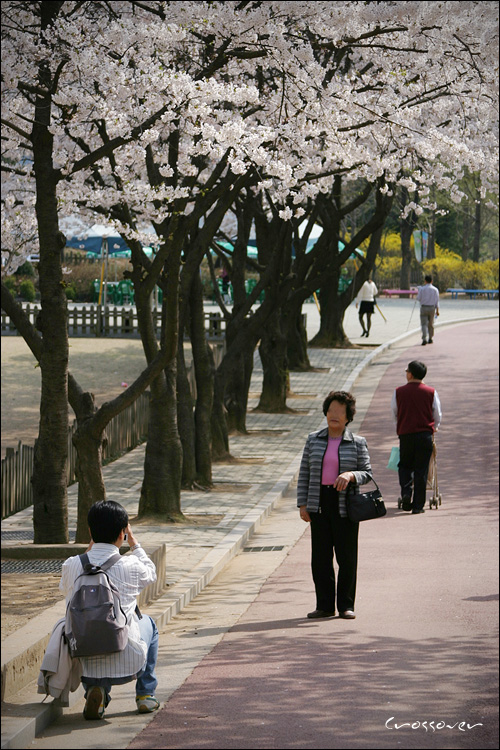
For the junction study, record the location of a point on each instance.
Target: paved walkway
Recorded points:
(245, 495)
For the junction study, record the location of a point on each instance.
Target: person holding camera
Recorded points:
(109, 528)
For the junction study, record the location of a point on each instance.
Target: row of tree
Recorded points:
(165, 116)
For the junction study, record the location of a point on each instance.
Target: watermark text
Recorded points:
(430, 726)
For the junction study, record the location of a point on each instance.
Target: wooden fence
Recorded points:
(111, 321)
(124, 432)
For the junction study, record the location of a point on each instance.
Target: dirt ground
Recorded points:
(24, 596)
(99, 365)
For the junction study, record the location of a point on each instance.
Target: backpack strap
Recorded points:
(84, 559)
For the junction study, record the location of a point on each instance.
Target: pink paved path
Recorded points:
(422, 648)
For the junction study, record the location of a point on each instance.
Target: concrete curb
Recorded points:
(22, 730)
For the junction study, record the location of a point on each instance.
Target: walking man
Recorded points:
(428, 296)
(417, 411)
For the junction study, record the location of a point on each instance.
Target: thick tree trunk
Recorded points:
(237, 387)
(50, 501)
(231, 385)
(273, 355)
(218, 423)
(331, 331)
(298, 358)
(161, 487)
(241, 345)
(89, 447)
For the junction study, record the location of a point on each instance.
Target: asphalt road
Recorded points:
(418, 667)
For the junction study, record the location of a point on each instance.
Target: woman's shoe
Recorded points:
(320, 613)
(347, 615)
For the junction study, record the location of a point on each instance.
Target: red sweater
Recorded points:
(415, 413)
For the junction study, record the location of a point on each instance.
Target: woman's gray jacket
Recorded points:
(353, 456)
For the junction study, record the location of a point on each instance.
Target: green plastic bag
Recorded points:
(394, 459)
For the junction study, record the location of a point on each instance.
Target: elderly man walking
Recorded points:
(417, 411)
(428, 296)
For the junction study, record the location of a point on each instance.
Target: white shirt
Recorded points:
(132, 573)
(367, 292)
(428, 295)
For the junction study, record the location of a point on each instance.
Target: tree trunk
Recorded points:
(218, 423)
(331, 331)
(231, 385)
(477, 231)
(89, 449)
(273, 354)
(406, 229)
(185, 419)
(465, 236)
(204, 374)
(298, 358)
(50, 500)
(237, 387)
(431, 246)
(161, 487)
(238, 376)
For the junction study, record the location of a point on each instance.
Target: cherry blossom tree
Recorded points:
(141, 111)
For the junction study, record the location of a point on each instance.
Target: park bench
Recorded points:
(399, 292)
(473, 293)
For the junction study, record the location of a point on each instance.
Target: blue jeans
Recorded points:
(146, 679)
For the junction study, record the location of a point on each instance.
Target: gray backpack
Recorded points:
(95, 622)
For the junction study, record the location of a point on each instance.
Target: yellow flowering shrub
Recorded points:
(447, 268)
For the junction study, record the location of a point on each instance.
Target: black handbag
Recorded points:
(363, 506)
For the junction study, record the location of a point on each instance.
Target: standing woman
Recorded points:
(333, 457)
(366, 296)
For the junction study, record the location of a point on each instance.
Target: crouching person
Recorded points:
(109, 528)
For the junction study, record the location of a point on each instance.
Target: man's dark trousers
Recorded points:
(330, 531)
(415, 451)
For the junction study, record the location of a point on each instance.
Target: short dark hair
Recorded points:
(106, 519)
(343, 397)
(428, 279)
(417, 369)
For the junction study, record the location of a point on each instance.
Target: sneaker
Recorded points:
(94, 704)
(146, 704)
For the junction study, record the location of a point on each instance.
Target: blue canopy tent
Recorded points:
(99, 240)
(92, 241)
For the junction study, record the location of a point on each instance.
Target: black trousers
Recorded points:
(415, 451)
(329, 532)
